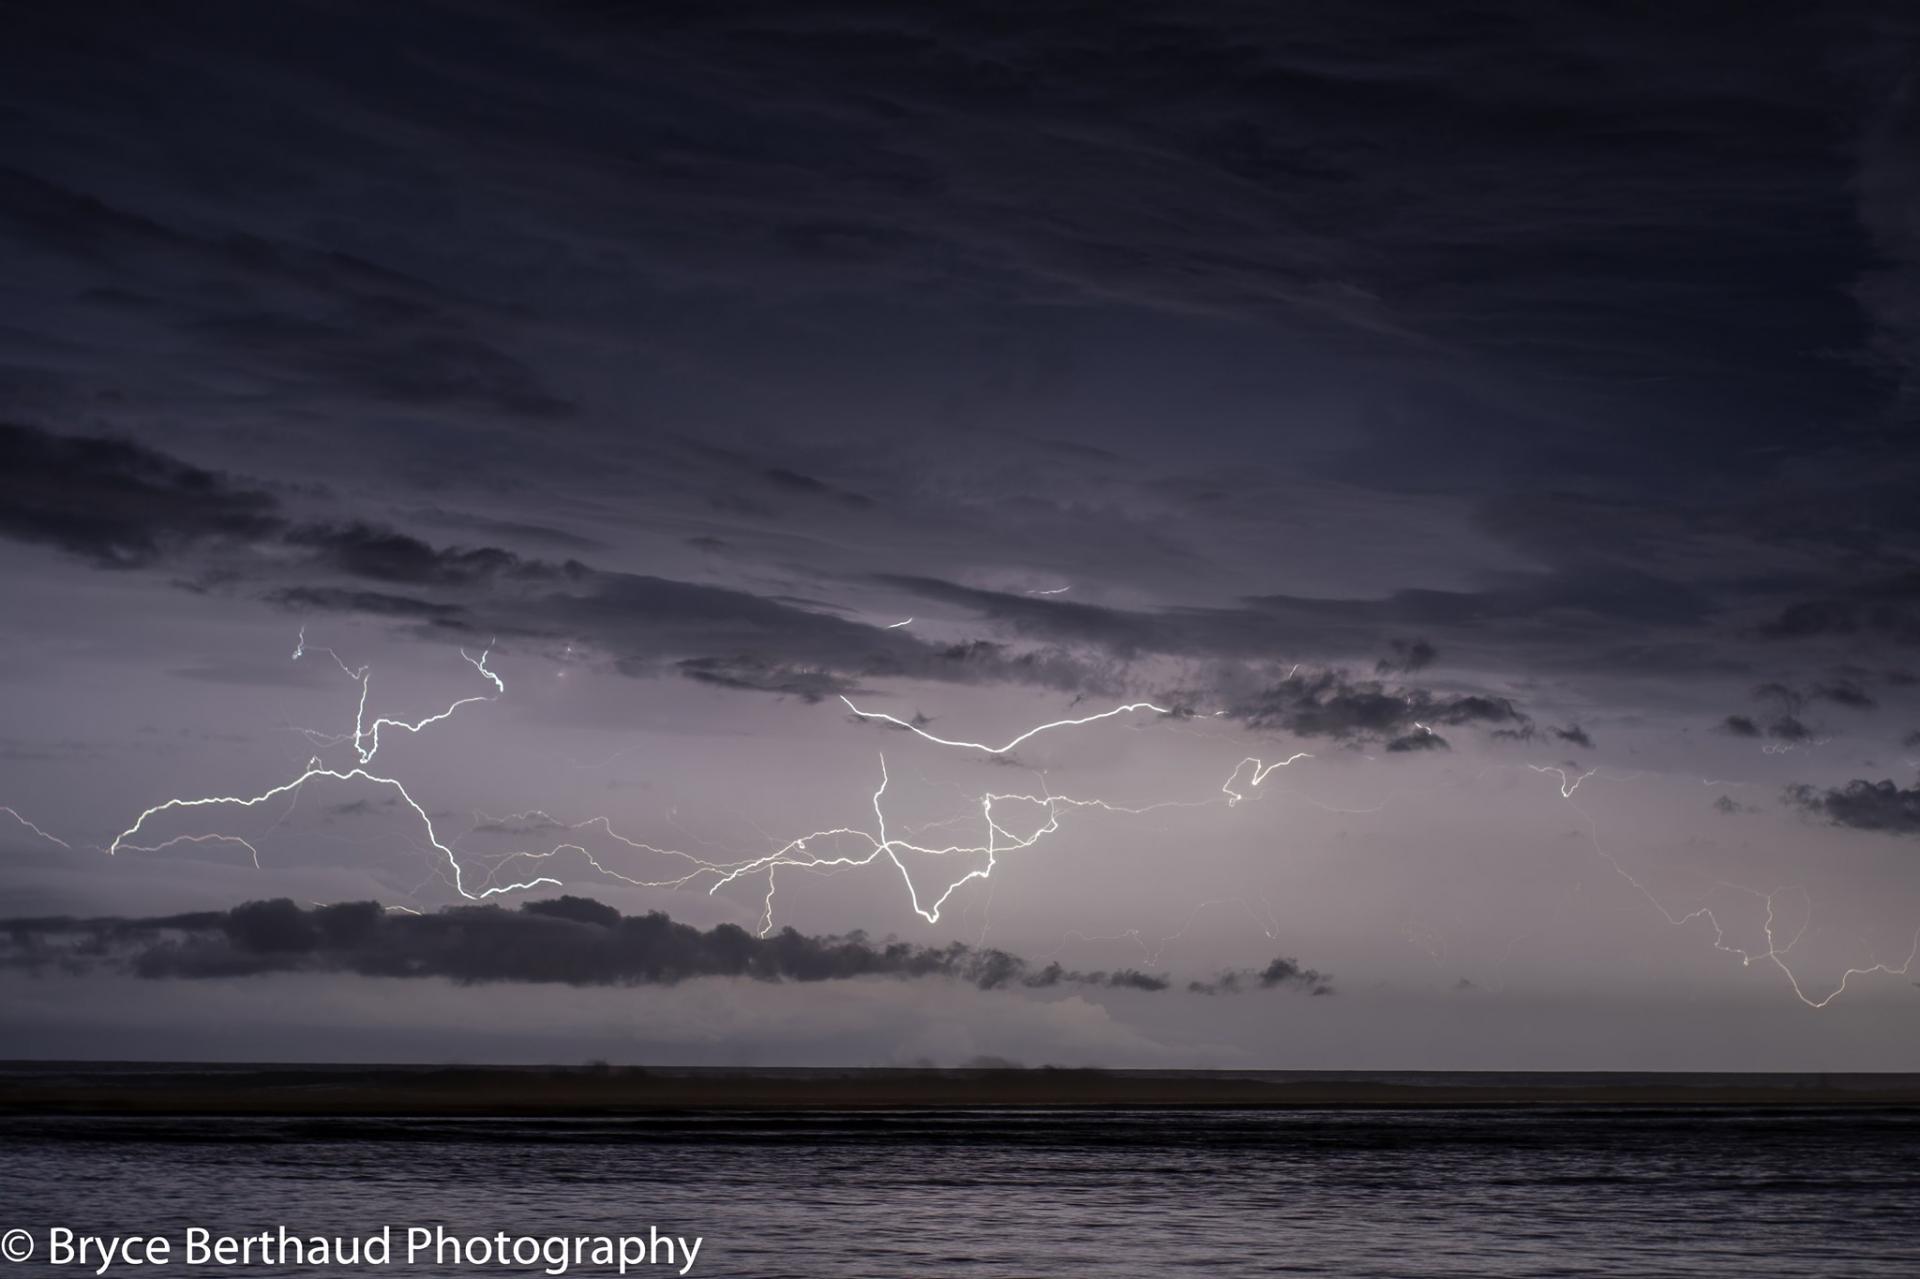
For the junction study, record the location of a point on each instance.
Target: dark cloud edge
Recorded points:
(567, 940)
(1883, 806)
(123, 506)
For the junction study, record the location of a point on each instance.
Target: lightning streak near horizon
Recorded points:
(1775, 953)
(1002, 830)
(827, 849)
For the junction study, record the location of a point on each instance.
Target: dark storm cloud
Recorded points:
(743, 474)
(333, 599)
(511, 530)
(44, 212)
(1574, 198)
(571, 940)
(1889, 190)
(1789, 729)
(174, 515)
(794, 482)
(1281, 974)
(740, 640)
(1787, 702)
(1574, 735)
(1880, 607)
(383, 555)
(650, 625)
(119, 504)
(1845, 694)
(1408, 656)
(385, 350)
(1546, 178)
(1331, 704)
(344, 327)
(1118, 979)
(1808, 618)
(1589, 271)
(760, 676)
(1418, 741)
(1864, 805)
(1591, 617)
(123, 504)
(1716, 582)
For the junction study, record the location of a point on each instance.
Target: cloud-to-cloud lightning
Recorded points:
(1775, 953)
(852, 845)
(366, 743)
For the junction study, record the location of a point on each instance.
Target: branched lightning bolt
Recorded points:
(821, 851)
(846, 847)
(824, 850)
(1568, 783)
(366, 743)
(1775, 953)
(366, 737)
(1258, 775)
(999, 840)
(315, 769)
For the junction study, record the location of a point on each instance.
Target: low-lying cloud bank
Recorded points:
(1281, 974)
(571, 940)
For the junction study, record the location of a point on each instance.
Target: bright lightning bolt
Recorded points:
(1258, 775)
(365, 737)
(820, 851)
(314, 770)
(366, 742)
(825, 851)
(1568, 783)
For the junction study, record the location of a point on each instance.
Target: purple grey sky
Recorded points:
(1475, 400)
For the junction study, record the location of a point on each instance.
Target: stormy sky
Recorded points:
(1502, 412)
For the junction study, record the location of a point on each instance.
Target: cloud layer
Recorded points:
(570, 940)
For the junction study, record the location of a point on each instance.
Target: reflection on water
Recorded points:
(1644, 1192)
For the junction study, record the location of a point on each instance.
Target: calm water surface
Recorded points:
(1576, 1192)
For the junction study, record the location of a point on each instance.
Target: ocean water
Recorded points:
(1563, 1192)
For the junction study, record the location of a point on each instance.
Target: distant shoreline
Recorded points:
(77, 1088)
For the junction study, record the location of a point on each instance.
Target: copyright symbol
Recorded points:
(16, 1245)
